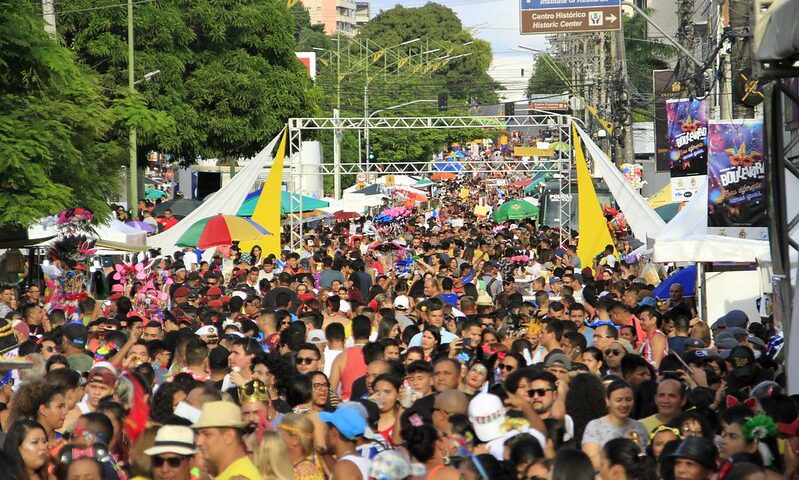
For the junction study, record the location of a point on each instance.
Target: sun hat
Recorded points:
(220, 414)
(487, 414)
(391, 465)
(628, 348)
(483, 300)
(175, 439)
(347, 421)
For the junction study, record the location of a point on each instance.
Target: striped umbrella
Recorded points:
(220, 230)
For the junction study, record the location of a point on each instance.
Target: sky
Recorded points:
(496, 21)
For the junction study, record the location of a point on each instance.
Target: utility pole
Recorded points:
(741, 51)
(133, 183)
(627, 117)
(336, 157)
(48, 13)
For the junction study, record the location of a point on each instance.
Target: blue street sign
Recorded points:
(537, 4)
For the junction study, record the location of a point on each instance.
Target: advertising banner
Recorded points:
(665, 86)
(687, 125)
(737, 179)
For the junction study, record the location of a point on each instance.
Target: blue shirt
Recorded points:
(446, 337)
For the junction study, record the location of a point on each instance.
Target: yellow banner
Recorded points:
(522, 151)
(592, 227)
(267, 210)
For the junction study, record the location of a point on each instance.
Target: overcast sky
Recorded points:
(494, 20)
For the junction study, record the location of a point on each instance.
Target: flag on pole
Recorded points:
(267, 210)
(592, 227)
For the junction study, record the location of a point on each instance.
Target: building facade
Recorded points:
(338, 16)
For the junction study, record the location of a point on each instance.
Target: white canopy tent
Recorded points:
(406, 180)
(226, 201)
(685, 239)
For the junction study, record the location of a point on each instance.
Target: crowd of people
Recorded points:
(453, 348)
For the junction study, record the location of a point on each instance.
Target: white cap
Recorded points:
(487, 414)
(206, 330)
(402, 302)
(344, 306)
(316, 336)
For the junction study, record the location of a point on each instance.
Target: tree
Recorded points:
(58, 130)
(643, 56)
(548, 76)
(229, 77)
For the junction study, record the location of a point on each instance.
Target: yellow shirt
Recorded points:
(243, 468)
(651, 423)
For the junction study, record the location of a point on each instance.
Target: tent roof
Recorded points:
(307, 203)
(777, 32)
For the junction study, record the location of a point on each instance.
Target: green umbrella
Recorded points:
(154, 193)
(668, 211)
(308, 203)
(515, 210)
(538, 179)
(424, 183)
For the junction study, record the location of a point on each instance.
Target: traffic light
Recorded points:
(442, 101)
(510, 109)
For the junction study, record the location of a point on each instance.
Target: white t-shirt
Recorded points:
(330, 355)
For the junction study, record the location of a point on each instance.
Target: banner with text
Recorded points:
(737, 203)
(687, 126)
(665, 86)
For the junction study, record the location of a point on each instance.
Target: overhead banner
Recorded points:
(737, 179)
(665, 86)
(687, 125)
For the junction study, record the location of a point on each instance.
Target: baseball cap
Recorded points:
(194, 276)
(699, 357)
(214, 292)
(402, 302)
(554, 280)
(733, 318)
(694, 343)
(487, 414)
(391, 465)
(624, 344)
(725, 341)
(76, 333)
(737, 331)
(347, 421)
(181, 292)
(117, 290)
(316, 336)
(102, 375)
(648, 302)
(558, 358)
(742, 360)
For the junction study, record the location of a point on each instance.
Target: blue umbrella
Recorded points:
(685, 277)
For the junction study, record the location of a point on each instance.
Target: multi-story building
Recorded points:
(335, 15)
(361, 13)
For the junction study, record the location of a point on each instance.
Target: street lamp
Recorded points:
(148, 76)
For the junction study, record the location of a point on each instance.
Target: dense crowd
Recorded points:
(441, 346)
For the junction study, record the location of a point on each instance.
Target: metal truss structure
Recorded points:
(562, 166)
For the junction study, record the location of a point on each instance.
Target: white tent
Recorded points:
(116, 231)
(399, 180)
(643, 220)
(685, 238)
(226, 201)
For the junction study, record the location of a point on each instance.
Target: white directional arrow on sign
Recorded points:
(611, 18)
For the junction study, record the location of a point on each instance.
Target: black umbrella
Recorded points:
(180, 207)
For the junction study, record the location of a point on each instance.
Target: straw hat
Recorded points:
(219, 415)
(175, 439)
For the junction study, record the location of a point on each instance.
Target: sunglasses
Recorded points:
(507, 368)
(613, 352)
(173, 462)
(539, 392)
(210, 283)
(305, 360)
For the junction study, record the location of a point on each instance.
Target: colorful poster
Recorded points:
(665, 86)
(687, 125)
(737, 202)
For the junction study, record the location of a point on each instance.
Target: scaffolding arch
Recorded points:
(562, 164)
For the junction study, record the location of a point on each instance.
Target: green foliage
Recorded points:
(229, 77)
(56, 144)
(548, 78)
(643, 56)
(461, 79)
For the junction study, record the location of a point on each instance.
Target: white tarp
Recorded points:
(398, 180)
(113, 231)
(226, 201)
(685, 238)
(643, 220)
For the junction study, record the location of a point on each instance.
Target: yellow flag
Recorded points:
(267, 210)
(592, 227)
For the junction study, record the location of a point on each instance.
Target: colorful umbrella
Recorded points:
(154, 193)
(342, 215)
(286, 205)
(180, 207)
(220, 230)
(424, 183)
(685, 277)
(515, 210)
(144, 226)
(443, 176)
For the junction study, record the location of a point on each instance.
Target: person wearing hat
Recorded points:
(346, 427)
(219, 439)
(73, 344)
(100, 382)
(172, 453)
(617, 349)
(695, 459)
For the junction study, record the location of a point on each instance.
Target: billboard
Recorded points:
(665, 86)
(736, 196)
(687, 133)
